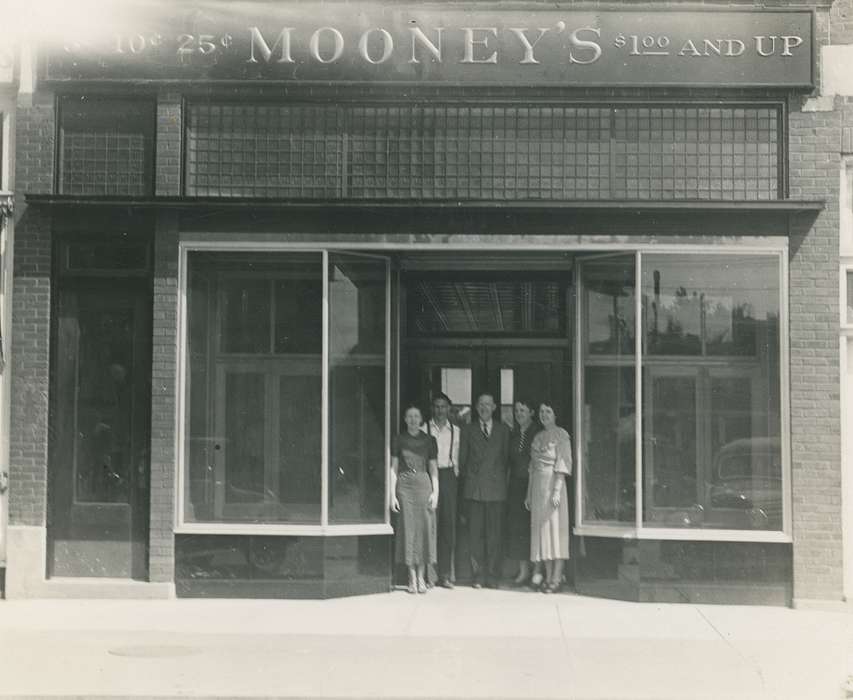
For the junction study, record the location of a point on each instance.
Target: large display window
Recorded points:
(681, 390)
(286, 389)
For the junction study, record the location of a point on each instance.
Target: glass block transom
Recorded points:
(482, 152)
(106, 147)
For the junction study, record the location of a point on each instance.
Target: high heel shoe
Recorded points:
(536, 580)
(422, 587)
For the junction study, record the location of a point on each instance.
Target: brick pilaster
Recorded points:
(163, 399)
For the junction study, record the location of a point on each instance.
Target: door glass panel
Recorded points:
(244, 312)
(357, 359)
(298, 474)
(507, 396)
(244, 446)
(254, 387)
(104, 408)
(456, 383)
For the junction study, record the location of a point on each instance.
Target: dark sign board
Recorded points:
(335, 42)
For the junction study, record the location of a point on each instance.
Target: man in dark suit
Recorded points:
(483, 460)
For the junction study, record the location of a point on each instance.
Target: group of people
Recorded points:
(506, 476)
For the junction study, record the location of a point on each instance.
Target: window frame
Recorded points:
(324, 528)
(845, 274)
(638, 529)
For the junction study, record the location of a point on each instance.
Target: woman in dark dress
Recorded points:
(414, 494)
(518, 517)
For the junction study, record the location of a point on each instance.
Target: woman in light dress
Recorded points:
(550, 464)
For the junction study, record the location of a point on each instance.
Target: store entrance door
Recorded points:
(99, 468)
(507, 372)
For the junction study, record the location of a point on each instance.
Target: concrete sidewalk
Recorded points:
(462, 643)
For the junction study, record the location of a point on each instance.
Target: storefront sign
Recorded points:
(351, 43)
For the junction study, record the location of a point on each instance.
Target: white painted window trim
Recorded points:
(249, 242)
(323, 528)
(845, 238)
(639, 530)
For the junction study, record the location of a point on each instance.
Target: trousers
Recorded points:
(485, 534)
(448, 490)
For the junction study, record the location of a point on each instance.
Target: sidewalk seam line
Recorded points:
(750, 662)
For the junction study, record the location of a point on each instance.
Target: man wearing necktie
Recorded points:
(483, 460)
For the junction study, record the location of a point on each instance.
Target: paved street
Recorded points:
(462, 643)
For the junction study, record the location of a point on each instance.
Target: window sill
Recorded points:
(698, 534)
(284, 529)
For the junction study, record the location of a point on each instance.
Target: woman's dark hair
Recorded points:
(411, 405)
(527, 401)
(550, 404)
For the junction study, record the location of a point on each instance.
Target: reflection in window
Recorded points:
(357, 331)
(254, 394)
(696, 305)
(609, 432)
(711, 433)
(609, 298)
(609, 404)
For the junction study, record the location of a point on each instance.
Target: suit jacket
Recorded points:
(483, 463)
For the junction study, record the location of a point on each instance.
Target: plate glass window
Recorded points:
(254, 421)
(712, 453)
(609, 403)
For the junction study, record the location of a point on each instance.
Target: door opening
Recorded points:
(502, 332)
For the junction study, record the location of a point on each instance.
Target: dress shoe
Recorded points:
(492, 584)
(446, 583)
(477, 585)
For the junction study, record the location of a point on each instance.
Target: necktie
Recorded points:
(522, 443)
(485, 431)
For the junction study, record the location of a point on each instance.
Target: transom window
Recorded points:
(491, 152)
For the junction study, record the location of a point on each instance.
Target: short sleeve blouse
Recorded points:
(414, 451)
(552, 449)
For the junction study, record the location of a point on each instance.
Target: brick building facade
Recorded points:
(152, 230)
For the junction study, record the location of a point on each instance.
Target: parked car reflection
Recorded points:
(745, 490)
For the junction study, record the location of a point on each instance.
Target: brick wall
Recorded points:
(815, 141)
(841, 22)
(163, 399)
(35, 143)
(30, 333)
(28, 436)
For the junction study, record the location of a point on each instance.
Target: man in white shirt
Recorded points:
(447, 437)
